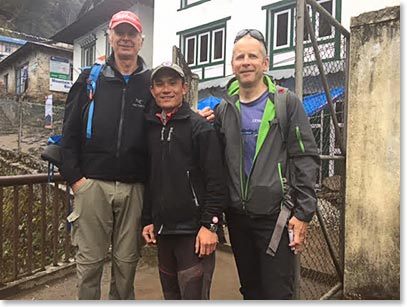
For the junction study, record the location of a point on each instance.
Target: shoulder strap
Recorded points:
(280, 102)
(91, 90)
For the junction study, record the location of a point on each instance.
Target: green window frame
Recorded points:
(185, 4)
(281, 26)
(205, 45)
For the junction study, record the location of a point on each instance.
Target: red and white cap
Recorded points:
(126, 17)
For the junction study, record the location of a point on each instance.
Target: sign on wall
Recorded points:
(60, 76)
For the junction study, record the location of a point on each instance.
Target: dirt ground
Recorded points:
(225, 285)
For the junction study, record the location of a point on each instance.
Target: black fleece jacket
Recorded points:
(186, 187)
(116, 150)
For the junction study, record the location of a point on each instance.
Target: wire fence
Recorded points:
(325, 70)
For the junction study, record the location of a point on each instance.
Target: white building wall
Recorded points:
(146, 15)
(244, 14)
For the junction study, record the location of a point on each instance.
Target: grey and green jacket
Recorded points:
(261, 193)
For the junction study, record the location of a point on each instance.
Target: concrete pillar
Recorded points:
(372, 213)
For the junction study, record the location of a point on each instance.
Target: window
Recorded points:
(218, 45)
(88, 49)
(21, 79)
(282, 29)
(190, 50)
(5, 79)
(189, 3)
(203, 48)
(324, 28)
(89, 54)
(7, 48)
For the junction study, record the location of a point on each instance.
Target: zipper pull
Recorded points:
(162, 133)
(169, 134)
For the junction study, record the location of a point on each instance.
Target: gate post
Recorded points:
(299, 64)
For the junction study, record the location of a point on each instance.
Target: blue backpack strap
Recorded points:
(91, 90)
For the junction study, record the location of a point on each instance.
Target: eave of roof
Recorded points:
(93, 18)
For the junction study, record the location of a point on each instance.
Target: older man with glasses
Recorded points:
(257, 159)
(105, 162)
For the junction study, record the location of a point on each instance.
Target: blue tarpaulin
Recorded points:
(316, 102)
(210, 101)
(312, 103)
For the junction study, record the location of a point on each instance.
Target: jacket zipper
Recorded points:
(280, 174)
(299, 138)
(119, 137)
(193, 190)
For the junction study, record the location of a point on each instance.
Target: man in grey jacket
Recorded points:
(258, 158)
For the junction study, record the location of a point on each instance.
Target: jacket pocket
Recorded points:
(84, 186)
(191, 185)
(266, 192)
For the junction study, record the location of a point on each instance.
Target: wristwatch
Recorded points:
(213, 227)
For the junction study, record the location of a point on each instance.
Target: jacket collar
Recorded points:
(110, 71)
(232, 88)
(181, 113)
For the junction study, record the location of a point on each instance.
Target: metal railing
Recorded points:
(34, 232)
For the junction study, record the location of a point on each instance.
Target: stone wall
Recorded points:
(372, 213)
(38, 61)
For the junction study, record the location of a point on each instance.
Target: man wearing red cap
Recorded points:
(105, 162)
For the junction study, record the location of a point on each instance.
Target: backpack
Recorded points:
(52, 152)
(91, 90)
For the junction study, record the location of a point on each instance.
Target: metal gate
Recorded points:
(321, 75)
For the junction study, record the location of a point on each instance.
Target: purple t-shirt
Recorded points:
(252, 113)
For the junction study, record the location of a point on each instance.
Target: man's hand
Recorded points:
(77, 184)
(207, 113)
(206, 241)
(300, 233)
(148, 234)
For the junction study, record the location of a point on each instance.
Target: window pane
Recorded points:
(189, 2)
(190, 51)
(325, 28)
(203, 45)
(282, 29)
(218, 45)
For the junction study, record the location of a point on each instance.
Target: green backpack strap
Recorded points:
(280, 103)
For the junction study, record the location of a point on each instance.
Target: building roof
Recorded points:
(30, 46)
(100, 14)
(11, 40)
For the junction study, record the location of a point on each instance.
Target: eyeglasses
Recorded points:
(253, 33)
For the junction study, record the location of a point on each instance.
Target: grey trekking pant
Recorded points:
(107, 213)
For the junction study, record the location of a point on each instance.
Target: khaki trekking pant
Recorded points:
(107, 213)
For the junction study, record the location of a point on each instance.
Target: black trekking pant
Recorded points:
(183, 275)
(262, 277)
